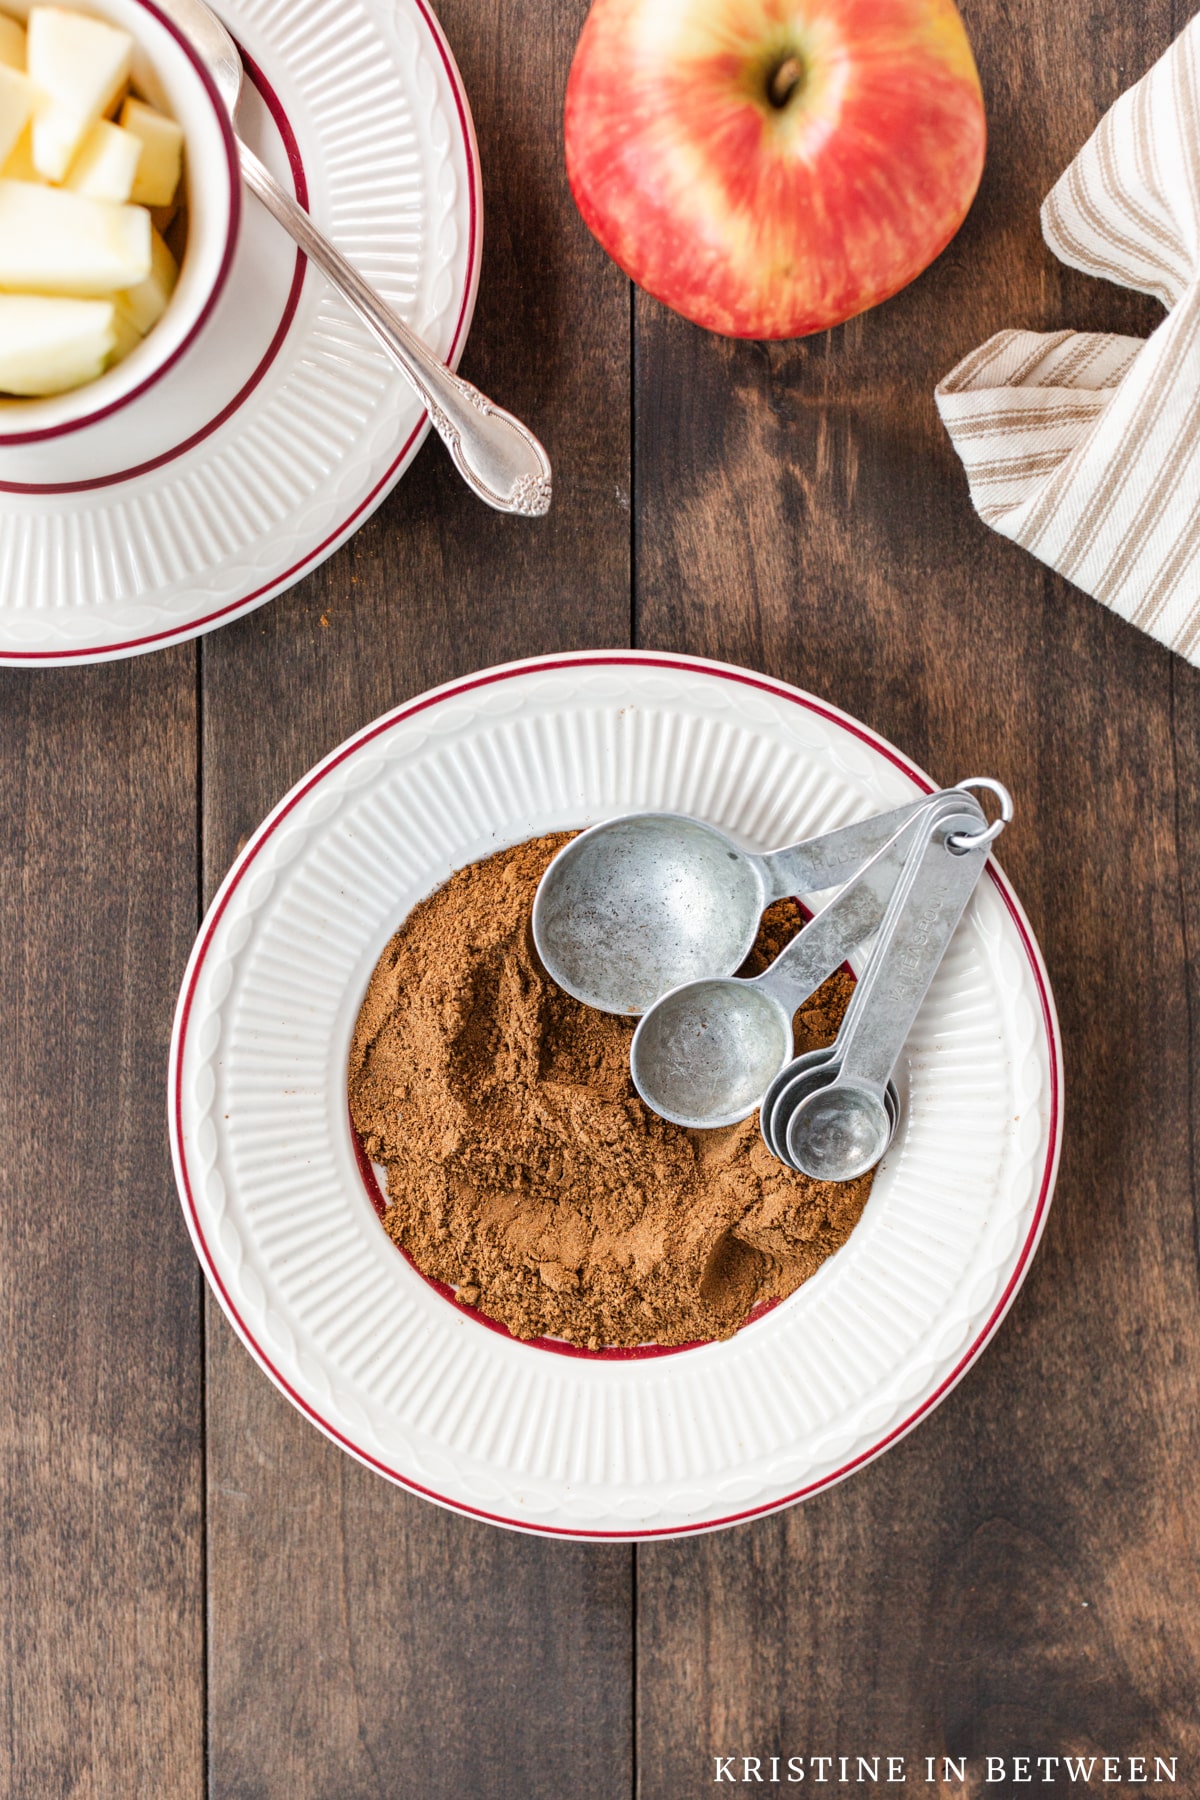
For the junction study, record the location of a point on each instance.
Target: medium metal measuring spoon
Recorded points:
(832, 1113)
(705, 1053)
(639, 904)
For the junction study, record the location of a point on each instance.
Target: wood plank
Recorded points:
(101, 1586)
(1013, 1578)
(363, 1641)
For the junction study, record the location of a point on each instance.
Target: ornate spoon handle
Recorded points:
(493, 452)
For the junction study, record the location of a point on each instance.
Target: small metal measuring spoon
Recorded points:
(791, 1085)
(832, 1113)
(706, 1052)
(639, 904)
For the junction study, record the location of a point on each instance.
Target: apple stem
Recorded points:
(785, 80)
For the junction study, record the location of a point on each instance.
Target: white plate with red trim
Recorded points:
(283, 427)
(593, 1446)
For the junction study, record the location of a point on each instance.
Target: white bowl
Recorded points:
(611, 1445)
(171, 76)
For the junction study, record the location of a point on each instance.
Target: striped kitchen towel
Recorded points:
(1083, 447)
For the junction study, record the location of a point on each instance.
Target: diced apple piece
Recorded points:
(126, 334)
(56, 242)
(162, 153)
(12, 43)
(50, 345)
(18, 97)
(105, 166)
(145, 304)
(19, 164)
(81, 65)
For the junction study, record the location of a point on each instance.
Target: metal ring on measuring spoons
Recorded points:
(961, 844)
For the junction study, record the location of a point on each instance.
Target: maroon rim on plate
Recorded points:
(283, 125)
(235, 213)
(195, 627)
(507, 672)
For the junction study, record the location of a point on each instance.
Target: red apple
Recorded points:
(771, 167)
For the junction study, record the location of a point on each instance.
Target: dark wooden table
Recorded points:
(197, 1591)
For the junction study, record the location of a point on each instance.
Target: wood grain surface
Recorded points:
(101, 1449)
(1019, 1576)
(199, 1594)
(362, 1642)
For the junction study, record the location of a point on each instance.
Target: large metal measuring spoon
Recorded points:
(705, 1053)
(832, 1113)
(637, 905)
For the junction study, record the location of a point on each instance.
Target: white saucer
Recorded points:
(615, 1445)
(284, 428)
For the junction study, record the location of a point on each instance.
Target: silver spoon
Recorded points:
(640, 904)
(497, 456)
(705, 1053)
(832, 1114)
(806, 1075)
(801, 1077)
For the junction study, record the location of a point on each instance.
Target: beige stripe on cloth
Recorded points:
(1082, 447)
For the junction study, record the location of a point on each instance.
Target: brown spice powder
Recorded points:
(523, 1169)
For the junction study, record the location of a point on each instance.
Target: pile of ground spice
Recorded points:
(523, 1169)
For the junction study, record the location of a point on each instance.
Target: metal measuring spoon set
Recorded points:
(652, 912)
